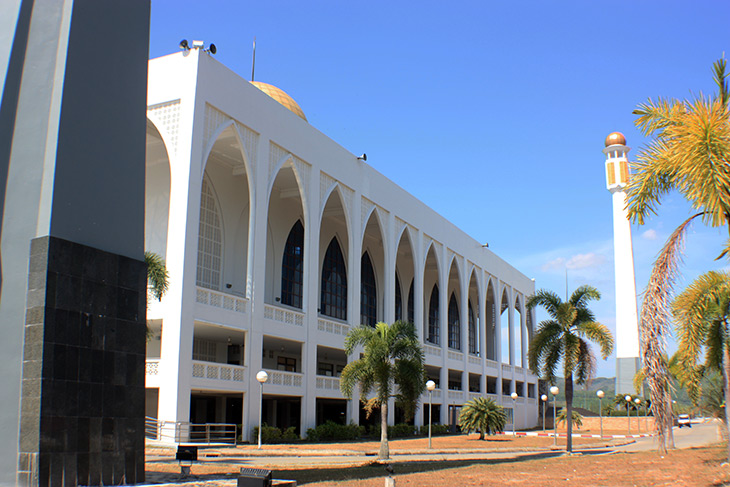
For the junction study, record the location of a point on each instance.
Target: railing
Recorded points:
(152, 367)
(492, 363)
(282, 315)
(520, 400)
(210, 370)
(475, 360)
(456, 356)
(458, 395)
(435, 394)
(328, 383)
(506, 368)
(221, 300)
(435, 351)
(279, 378)
(532, 400)
(474, 395)
(329, 326)
(182, 431)
(493, 397)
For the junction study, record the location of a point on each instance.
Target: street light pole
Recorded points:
(514, 410)
(262, 377)
(638, 419)
(544, 401)
(627, 398)
(430, 385)
(600, 395)
(554, 391)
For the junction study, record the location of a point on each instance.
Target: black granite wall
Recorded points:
(82, 399)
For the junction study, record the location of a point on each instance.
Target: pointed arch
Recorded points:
(434, 331)
(333, 296)
(405, 269)
(292, 267)
(431, 282)
(368, 292)
(490, 311)
(454, 323)
(474, 338)
(157, 189)
(210, 238)
(506, 329)
(517, 332)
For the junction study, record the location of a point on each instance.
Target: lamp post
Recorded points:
(627, 398)
(600, 395)
(430, 385)
(554, 391)
(544, 401)
(638, 420)
(262, 377)
(514, 410)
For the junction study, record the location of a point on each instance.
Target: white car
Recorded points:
(684, 420)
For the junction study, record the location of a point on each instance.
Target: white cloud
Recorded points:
(554, 264)
(649, 234)
(584, 261)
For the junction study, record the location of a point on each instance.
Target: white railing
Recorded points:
(506, 368)
(435, 351)
(436, 394)
(210, 370)
(279, 378)
(520, 400)
(328, 383)
(457, 395)
(329, 326)
(492, 363)
(152, 367)
(221, 300)
(474, 395)
(532, 400)
(493, 397)
(456, 356)
(475, 360)
(282, 315)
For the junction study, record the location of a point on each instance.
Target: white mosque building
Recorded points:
(278, 241)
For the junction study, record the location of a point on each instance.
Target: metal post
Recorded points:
(600, 413)
(628, 415)
(261, 408)
(555, 422)
(430, 406)
(543, 416)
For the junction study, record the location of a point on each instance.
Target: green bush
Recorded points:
(331, 431)
(436, 429)
(269, 434)
(290, 434)
(400, 430)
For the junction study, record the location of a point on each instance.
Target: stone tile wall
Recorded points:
(82, 399)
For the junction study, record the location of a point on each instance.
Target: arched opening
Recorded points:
(223, 236)
(505, 332)
(404, 274)
(368, 292)
(157, 192)
(491, 320)
(432, 327)
(285, 238)
(454, 323)
(333, 252)
(475, 346)
(453, 311)
(371, 272)
(333, 301)
(518, 333)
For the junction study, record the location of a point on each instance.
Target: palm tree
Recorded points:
(157, 275)
(702, 312)
(563, 337)
(392, 359)
(577, 417)
(690, 153)
(482, 415)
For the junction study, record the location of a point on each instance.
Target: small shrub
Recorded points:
(290, 434)
(331, 431)
(269, 434)
(436, 429)
(401, 430)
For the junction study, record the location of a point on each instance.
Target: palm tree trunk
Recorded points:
(726, 377)
(569, 411)
(384, 452)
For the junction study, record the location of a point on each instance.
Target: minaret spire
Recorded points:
(627, 322)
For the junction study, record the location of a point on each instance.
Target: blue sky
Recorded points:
(492, 113)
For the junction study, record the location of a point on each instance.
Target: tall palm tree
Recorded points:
(702, 313)
(392, 360)
(690, 153)
(564, 337)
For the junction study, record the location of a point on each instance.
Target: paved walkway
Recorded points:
(699, 435)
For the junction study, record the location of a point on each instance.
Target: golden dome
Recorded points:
(615, 138)
(280, 96)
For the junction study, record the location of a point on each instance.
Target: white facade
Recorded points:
(230, 172)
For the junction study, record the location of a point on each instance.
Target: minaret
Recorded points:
(627, 323)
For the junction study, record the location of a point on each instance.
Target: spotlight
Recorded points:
(184, 44)
(212, 49)
(363, 157)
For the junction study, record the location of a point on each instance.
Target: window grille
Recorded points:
(291, 267)
(454, 324)
(333, 299)
(368, 293)
(210, 239)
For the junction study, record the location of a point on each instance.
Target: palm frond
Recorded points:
(157, 275)
(598, 333)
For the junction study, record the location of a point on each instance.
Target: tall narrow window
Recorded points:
(291, 267)
(210, 239)
(411, 316)
(368, 293)
(473, 339)
(433, 316)
(333, 300)
(454, 324)
(398, 300)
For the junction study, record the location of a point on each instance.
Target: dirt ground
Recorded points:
(692, 467)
